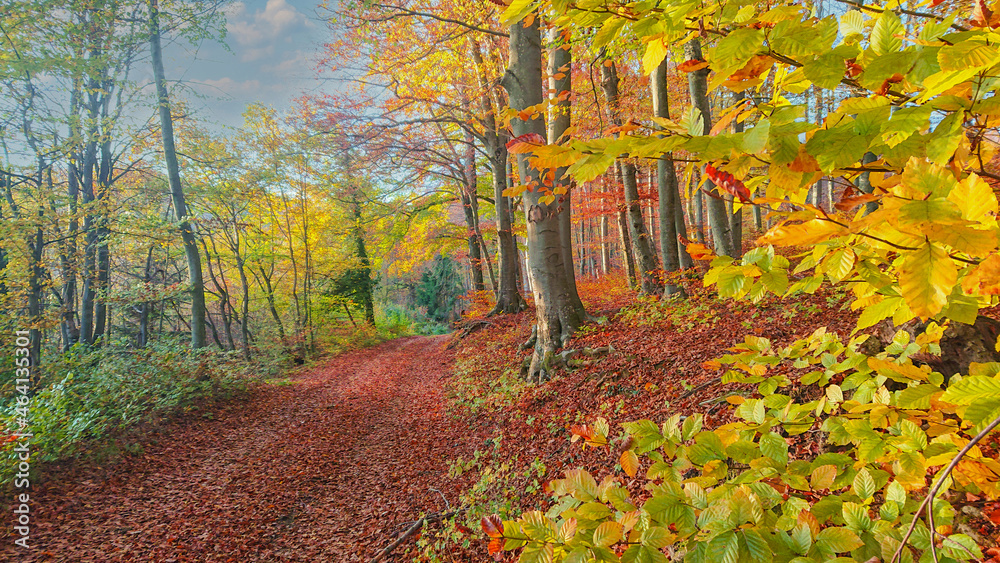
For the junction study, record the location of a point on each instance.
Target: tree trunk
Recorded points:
(265, 281)
(666, 179)
(736, 219)
(197, 284)
(475, 257)
(560, 71)
(718, 217)
(557, 317)
(624, 241)
(605, 244)
(645, 266)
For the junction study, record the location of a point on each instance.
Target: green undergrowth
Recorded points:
(88, 401)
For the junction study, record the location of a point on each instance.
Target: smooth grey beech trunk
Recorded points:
(560, 71)
(556, 316)
(195, 280)
(670, 211)
(718, 216)
(509, 299)
(646, 267)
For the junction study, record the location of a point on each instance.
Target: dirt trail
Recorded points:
(326, 469)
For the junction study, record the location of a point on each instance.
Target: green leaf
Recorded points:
(884, 309)
(736, 48)
(755, 138)
(864, 484)
(837, 147)
(774, 446)
(838, 540)
(895, 493)
(960, 547)
(607, 534)
(905, 122)
(801, 539)
(946, 138)
(691, 426)
(887, 35)
(756, 546)
(724, 547)
(918, 397)
(655, 537)
(970, 388)
(593, 511)
(982, 412)
(825, 71)
(967, 54)
(856, 517)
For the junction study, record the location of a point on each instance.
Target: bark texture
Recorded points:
(557, 318)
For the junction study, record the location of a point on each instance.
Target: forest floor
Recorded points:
(323, 466)
(334, 463)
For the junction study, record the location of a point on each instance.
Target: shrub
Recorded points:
(90, 396)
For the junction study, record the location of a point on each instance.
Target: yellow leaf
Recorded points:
(962, 238)
(926, 277)
(838, 264)
(896, 371)
(975, 199)
(656, 51)
(810, 232)
(515, 191)
(629, 462)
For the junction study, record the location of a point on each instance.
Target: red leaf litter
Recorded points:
(330, 468)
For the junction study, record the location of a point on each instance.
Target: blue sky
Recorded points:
(274, 48)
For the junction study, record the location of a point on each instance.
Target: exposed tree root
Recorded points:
(413, 529)
(569, 359)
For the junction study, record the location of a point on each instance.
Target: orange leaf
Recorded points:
(699, 251)
(496, 546)
(629, 462)
(754, 68)
(692, 65)
(493, 526)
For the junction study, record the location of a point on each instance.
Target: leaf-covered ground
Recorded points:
(338, 462)
(327, 467)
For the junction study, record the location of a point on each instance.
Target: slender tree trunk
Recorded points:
(670, 209)
(718, 218)
(645, 266)
(625, 243)
(265, 281)
(699, 214)
(195, 280)
(475, 258)
(605, 244)
(556, 315)
(560, 71)
(737, 217)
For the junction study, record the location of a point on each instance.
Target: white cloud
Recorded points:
(257, 32)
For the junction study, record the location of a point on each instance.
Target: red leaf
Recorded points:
(727, 182)
(524, 143)
(493, 526)
(849, 202)
(980, 14)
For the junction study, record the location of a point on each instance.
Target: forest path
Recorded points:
(328, 468)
